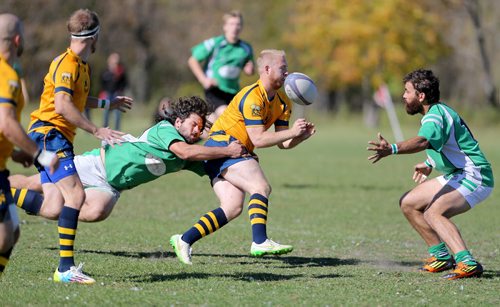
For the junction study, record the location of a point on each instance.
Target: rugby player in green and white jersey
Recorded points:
(166, 147)
(466, 181)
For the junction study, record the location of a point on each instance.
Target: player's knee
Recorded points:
(94, 215)
(6, 242)
(50, 212)
(263, 189)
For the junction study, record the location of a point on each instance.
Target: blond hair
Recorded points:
(233, 14)
(83, 20)
(267, 56)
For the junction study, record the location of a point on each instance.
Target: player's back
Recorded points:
(69, 75)
(10, 96)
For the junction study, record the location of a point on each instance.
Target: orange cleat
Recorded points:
(434, 265)
(464, 271)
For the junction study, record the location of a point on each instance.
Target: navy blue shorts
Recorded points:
(54, 141)
(214, 168)
(5, 195)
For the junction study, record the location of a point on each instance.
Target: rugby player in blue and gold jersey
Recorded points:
(12, 133)
(53, 125)
(247, 119)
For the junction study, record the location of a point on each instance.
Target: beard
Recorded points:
(413, 107)
(20, 50)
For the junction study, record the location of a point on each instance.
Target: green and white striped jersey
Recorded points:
(453, 148)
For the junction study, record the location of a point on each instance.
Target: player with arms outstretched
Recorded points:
(247, 119)
(468, 178)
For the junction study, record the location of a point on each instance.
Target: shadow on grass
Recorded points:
(291, 261)
(129, 254)
(248, 277)
(490, 274)
(363, 187)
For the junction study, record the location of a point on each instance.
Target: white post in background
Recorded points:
(383, 98)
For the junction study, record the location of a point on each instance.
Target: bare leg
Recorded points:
(413, 205)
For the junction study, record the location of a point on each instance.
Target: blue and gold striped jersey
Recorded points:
(250, 108)
(10, 97)
(68, 75)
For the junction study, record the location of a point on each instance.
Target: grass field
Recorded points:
(352, 244)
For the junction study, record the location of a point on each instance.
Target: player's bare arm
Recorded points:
(197, 70)
(121, 103)
(383, 149)
(14, 132)
(65, 107)
(193, 152)
(263, 138)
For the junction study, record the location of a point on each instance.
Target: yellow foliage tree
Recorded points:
(348, 43)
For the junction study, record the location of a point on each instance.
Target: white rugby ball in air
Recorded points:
(300, 88)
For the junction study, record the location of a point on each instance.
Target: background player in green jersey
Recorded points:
(166, 147)
(223, 57)
(467, 180)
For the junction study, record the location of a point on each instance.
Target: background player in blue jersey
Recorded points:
(468, 178)
(223, 58)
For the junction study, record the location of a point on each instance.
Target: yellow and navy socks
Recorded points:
(67, 224)
(4, 259)
(28, 200)
(208, 223)
(440, 251)
(257, 211)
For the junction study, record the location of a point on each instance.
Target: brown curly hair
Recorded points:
(182, 107)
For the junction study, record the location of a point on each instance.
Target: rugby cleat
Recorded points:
(181, 248)
(269, 247)
(73, 275)
(464, 271)
(435, 265)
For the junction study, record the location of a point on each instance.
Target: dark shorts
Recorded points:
(214, 168)
(54, 141)
(5, 195)
(216, 98)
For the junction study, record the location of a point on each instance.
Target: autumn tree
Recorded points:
(362, 43)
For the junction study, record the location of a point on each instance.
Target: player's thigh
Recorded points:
(72, 190)
(421, 196)
(97, 206)
(248, 176)
(231, 198)
(448, 202)
(26, 182)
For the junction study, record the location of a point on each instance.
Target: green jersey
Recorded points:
(453, 148)
(141, 160)
(223, 61)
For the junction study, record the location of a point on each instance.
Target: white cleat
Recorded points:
(269, 247)
(181, 248)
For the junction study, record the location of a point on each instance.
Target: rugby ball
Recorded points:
(300, 88)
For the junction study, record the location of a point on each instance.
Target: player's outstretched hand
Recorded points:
(421, 172)
(299, 127)
(108, 135)
(236, 150)
(122, 103)
(381, 148)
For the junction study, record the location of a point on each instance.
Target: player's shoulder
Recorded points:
(8, 72)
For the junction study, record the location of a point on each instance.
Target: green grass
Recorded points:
(352, 244)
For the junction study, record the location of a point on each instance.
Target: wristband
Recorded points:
(394, 149)
(103, 103)
(44, 157)
(427, 163)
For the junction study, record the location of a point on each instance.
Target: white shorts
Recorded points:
(473, 194)
(93, 175)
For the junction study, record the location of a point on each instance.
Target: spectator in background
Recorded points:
(223, 57)
(113, 83)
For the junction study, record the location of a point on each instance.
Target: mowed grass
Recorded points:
(352, 244)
